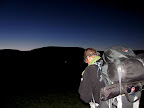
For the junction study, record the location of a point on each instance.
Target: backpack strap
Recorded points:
(99, 66)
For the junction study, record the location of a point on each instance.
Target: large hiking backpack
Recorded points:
(122, 72)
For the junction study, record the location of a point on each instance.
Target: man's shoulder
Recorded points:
(91, 67)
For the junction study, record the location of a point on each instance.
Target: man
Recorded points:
(91, 81)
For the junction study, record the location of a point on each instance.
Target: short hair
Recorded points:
(89, 51)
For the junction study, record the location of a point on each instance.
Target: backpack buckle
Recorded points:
(132, 89)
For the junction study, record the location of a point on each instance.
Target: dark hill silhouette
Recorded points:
(139, 51)
(42, 68)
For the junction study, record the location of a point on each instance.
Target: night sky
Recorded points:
(30, 24)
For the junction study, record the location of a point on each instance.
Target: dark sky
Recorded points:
(29, 24)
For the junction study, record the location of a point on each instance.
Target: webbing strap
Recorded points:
(95, 104)
(119, 99)
(136, 104)
(99, 66)
(110, 103)
(119, 75)
(120, 96)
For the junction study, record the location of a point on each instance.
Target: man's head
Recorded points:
(89, 54)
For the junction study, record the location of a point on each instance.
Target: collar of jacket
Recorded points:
(92, 62)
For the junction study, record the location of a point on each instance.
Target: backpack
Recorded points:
(122, 72)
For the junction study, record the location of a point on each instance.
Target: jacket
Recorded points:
(91, 84)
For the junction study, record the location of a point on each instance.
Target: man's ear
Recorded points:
(88, 60)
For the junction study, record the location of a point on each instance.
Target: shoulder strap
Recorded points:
(98, 65)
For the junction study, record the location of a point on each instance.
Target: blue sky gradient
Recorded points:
(29, 24)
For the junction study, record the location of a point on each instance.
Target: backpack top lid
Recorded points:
(116, 52)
